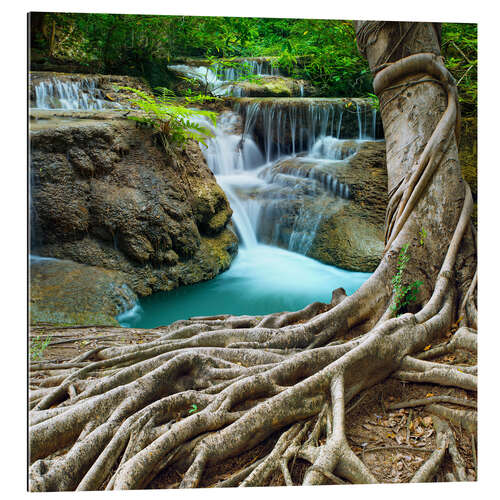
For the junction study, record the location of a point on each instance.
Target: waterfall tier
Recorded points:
(75, 93)
(279, 196)
(289, 126)
(243, 77)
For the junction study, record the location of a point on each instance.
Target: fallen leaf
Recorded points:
(427, 421)
(427, 347)
(429, 395)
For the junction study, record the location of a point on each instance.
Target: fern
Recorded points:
(174, 123)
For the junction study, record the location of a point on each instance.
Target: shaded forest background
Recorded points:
(320, 50)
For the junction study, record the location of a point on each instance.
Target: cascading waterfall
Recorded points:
(245, 67)
(81, 94)
(295, 125)
(263, 188)
(278, 190)
(221, 79)
(277, 209)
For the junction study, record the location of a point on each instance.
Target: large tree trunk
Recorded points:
(112, 420)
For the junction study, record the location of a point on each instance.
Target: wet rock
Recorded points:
(103, 193)
(333, 211)
(275, 86)
(353, 237)
(66, 292)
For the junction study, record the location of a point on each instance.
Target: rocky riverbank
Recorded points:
(104, 194)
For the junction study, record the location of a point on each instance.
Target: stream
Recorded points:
(292, 171)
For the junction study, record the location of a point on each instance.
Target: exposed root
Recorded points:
(204, 390)
(425, 371)
(431, 400)
(463, 338)
(464, 418)
(431, 466)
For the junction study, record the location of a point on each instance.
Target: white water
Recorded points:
(263, 187)
(222, 80)
(83, 94)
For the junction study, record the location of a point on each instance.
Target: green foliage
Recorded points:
(459, 49)
(173, 123)
(403, 294)
(323, 51)
(375, 101)
(37, 347)
(194, 98)
(423, 235)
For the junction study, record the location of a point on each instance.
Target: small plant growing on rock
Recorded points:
(403, 294)
(174, 123)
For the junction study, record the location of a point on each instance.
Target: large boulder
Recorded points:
(353, 236)
(332, 211)
(104, 193)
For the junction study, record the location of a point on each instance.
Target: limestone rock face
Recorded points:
(103, 193)
(353, 237)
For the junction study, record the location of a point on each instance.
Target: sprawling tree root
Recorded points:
(210, 388)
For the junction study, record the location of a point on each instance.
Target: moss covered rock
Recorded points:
(65, 292)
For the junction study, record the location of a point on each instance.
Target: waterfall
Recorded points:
(288, 126)
(83, 94)
(277, 195)
(222, 79)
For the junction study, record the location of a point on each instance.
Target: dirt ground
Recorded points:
(393, 443)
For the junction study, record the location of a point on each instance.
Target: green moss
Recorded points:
(278, 88)
(219, 220)
(65, 318)
(467, 154)
(210, 207)
(220, 248)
